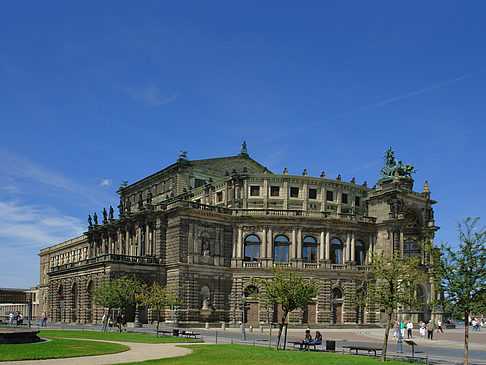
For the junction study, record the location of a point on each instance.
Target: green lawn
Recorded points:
(242, 354)
(113, 336)
(58, 348)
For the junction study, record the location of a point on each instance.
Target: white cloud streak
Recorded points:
(150, 95)
(14, 168)
(372, 106)
(35, 226)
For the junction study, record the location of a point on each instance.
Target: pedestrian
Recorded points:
(474, 324)
(430, 330)
(396, 328)
(44, 319)
(409, 329)
(422, 329)
(304, 344)
(439, 326)
(103, 322)
(12, 318)
(402, 329)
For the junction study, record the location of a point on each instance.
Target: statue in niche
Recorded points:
(105, 215)
(111, 212)
(90, 221)
(127, 205)
(95, 218)
(149, 197)
(205, 301)
(140, 200)
(205, 246)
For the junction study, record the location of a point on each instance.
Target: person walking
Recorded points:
(409, 329)
(422, 329)
(12, 318)
(103, 322)
(430, 330)
(439, 326)
(44, 319)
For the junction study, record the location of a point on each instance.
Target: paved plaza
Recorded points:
(446, 348)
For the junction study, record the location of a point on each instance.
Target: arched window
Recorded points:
(281, 249)
(336, 251)
(359, 253)
(336, 293)
(250, 290)
(309, 250)
(420, 295)
(252, 248)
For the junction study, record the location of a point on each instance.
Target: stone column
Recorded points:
(270, 244)
(353, 248)
(322, 247)
(240, 243)
(346, 248)
(110, 244)
(235, 248)
(299, 243)
(294, 245)
(402, 246)
(147, 240)
(127, 242)
(328, 246)
(138, 241)
(263, 251)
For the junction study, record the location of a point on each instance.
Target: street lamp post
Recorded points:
(400, 337)
(243, 308)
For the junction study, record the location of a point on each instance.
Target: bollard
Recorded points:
(207, 325)
(216, 341)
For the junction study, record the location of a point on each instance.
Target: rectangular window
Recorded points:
(294, 192)
(274, 190)
(344, 198)
(219, 196)
(254, 191)
(329, 196)
(199, 182)
(310, 254)
(356, 201)
(312, 193)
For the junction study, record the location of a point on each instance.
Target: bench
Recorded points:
(165, 332)
(304, 345)
(189, 334)
(364, 348)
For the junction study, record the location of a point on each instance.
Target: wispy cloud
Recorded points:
(373, 106)
(105, 182)
(35, 226)
(364, 166)
(19, 170)
(274, 157)
(150, 95)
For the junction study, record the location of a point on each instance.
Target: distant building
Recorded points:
(16, 300)
(211, 226)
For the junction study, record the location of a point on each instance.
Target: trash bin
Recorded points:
(330, 345)
(175, 332)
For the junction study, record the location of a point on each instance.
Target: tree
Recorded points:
(117, 293)
(289, 289)
(461, 270)
(158, 297)
(391, 282)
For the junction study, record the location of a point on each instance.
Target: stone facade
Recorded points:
(210, 226)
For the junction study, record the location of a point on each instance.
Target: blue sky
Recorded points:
(93, 93)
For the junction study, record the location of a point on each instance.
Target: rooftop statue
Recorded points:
(243, 150)
(182, 156)
(392, 167)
